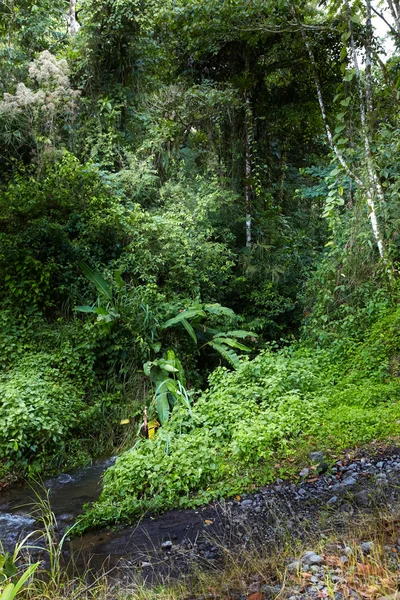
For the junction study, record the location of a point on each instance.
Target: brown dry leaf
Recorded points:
(306, 575)
(323, 594)
(333, 561)
(370, 569)
(209, 522)
(256, 596)
(371, 590)
(238, 498)
(312, 479)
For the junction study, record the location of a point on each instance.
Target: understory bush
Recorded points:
(248, 421)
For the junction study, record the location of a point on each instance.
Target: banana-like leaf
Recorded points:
(162, 402)
(190, 330)
(229, 355)
(97, 279)
(185, 314)
(217, 309)
(239, 333)
(233, 343)
(85, 309)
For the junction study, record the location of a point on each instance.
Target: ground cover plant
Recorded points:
(248, 426)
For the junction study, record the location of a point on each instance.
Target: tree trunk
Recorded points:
(249, 137)
(73, 23)
(366, 188)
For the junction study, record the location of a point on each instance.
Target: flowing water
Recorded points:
(68, 492)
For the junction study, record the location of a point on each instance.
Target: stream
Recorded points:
(68, 492)
(139, 545)
(170, 543)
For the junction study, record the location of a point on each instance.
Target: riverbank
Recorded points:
(253, 544)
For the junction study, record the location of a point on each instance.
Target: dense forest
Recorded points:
(199, 241)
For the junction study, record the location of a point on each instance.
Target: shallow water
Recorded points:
(68, 492)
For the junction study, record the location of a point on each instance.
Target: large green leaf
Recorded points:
(184, 315)
(97, 279)
(85, 309)
(190, 330)
(233, 343)
(217, 309)
(162, 402)
(239, 333)
(229, 355)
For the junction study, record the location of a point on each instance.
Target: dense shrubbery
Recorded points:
(258, 416)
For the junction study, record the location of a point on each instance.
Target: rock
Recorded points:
(332, 500)
(315, 569)
(304, 473)
(166, 545)
(312, 558)
(246, 503)
(322, 468)
(379, 464)
(362, 498)
(367, 547)
(343, 560)
(302, 492)
(381, 478)
(349, 481)
(314, 579)
(271, 591)
(294, 566)
(317, 457)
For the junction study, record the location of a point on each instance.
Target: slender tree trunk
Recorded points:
(249, 137)
(367, 190)
(73, 23)
(395, 12)
(366, 106)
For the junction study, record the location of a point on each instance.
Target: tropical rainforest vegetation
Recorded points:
(199, 240)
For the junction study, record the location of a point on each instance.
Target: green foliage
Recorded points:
(256, 416)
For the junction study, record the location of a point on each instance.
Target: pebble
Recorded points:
(246, 503)
(304, 473)
(317, 457)
(367, 547)
(311, 558)
(294, 566)
(349, 481)
(379, 464)
(332, 500)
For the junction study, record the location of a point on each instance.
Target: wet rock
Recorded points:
(166, 545)
(304, 473)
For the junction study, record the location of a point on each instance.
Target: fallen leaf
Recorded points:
(208, 522)
(256, 596)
